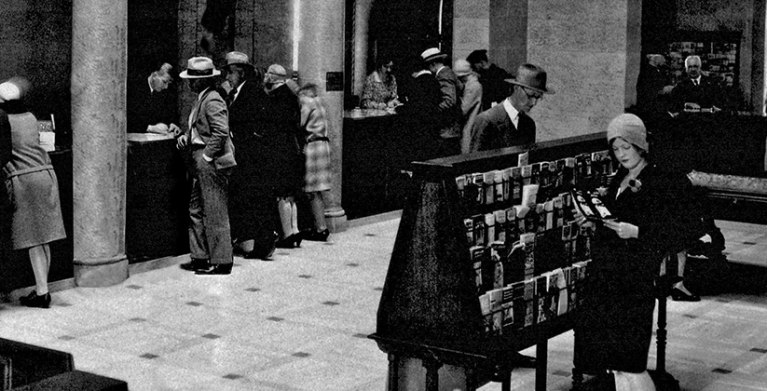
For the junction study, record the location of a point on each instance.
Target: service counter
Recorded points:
(728, 149)
(715, 143)
(157, 198)
(373, 156)
(15, 270)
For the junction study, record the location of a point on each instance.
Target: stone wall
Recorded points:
(471, 26)
(591, 52)
(36, 42)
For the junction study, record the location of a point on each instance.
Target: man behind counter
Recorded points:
(696, 89)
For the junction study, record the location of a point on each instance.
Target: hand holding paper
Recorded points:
(623, 229)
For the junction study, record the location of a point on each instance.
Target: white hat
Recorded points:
(198, 68)
(9, 91)
(431, 54)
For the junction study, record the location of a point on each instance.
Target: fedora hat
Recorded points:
(432, 54)
(237, 58)
(198, 68)
(532, 77)
(461, 67)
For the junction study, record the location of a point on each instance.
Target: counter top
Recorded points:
(367, 113)
(148, 137)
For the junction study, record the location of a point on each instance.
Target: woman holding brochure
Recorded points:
(614, 324)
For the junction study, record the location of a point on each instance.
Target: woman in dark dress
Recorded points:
(614, 325)
(283, 161)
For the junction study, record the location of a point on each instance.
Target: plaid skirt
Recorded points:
(318, 173)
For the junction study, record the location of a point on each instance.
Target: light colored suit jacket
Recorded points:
(212, 123)
(471, 101)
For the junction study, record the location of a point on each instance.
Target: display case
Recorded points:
(461, 290)
(719, 53)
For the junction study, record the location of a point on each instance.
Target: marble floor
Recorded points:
(300, 322)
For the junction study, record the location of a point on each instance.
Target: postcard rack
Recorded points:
(452, 263)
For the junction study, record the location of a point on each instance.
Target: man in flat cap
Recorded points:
(508, 124)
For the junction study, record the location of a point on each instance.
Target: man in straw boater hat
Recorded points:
(449, 113)
(211, 160)
(251, 204)
(508, 124)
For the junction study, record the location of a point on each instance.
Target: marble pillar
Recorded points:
(320, 51)
(360, 51)
(99, 69)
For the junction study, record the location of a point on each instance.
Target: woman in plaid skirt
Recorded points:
(317, 153)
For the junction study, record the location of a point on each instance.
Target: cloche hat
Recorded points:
(461, 67)
(630, 128)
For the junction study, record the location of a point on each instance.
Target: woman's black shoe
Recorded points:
(680, 295)
(291, 241)
(219, 269)
(317, 236)
(36, 301)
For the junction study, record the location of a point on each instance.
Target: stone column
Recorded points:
(99, 69)
(361, 23)
(321, 50)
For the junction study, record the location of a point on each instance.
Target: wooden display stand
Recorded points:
(429, 308)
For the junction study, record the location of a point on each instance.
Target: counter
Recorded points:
(157, 197)
(374, 153)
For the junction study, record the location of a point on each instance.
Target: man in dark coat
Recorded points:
(251, 202)
(491, 76)
(449, 106)
(696, 88)
(507, 124)
(421, 116)
(653, 85)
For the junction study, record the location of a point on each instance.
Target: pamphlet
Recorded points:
(591, 207)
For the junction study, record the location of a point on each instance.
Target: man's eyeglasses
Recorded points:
(534, 95)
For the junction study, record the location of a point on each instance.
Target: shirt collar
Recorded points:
(199, 96)
(511, 111)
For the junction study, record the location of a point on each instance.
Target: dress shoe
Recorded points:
(35, 300)
(219, 269)
(317, 236)
(263, 251)
(291, 241)
(522, 361)
(680, 295)
(195, 265)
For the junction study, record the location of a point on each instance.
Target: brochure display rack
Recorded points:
(487, 261)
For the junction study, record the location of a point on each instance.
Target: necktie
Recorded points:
(230, 97)
(695, 82)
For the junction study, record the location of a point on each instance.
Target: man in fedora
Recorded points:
(251, 204)
(449, 106)
(211, 160)
(508, 124)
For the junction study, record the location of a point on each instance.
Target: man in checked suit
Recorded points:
(508, 124)
(211, 156)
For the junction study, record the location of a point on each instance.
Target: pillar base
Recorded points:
(101, 272)
(336, 220)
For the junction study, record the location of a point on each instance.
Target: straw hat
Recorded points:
(461, 67)
(432, 54)
(198, 68)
